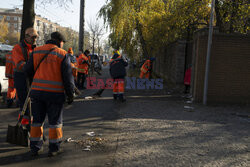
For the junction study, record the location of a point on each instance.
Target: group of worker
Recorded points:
(48, 75)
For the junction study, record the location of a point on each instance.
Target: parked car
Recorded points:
(3, 80)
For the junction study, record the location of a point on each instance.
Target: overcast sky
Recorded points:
(65, 17)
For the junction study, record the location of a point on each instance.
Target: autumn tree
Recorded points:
(13, 38)
(232, 16)
(142, 26)
(3, 30)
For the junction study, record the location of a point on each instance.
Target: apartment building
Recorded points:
(44, 26)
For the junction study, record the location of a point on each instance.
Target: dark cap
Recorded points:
(57, 36)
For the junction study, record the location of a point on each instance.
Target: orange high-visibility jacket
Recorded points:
(73, 66)
(9, 65)
(20, 55)
(83, 64)
(146, 66)
(48, 76)
(74, 69)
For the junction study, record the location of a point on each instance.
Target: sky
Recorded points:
(66, 17)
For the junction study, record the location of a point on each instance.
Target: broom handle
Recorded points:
(27, 100)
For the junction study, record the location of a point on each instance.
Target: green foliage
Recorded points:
(142, 26)
(233, 16)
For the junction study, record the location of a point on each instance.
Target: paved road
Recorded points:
(151, 129)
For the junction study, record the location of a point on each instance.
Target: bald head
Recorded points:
(31, 35)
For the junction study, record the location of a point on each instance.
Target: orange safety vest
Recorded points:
(146, 66)
(9, 66)
(48, 76)
(20, 55)
(83, 67)
(111, 60)
(74, 69)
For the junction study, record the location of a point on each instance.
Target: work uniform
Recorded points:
(146, 69)
(20, 55)
(50, 81)
(118, 73)
(9, 73)
(74, 65)
(83, 66)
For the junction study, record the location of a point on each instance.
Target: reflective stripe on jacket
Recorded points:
(48, 76)
(83, 64)
(146, 66)
(9, 66)
(20, 55)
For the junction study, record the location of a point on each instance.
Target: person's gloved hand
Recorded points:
(70, 99)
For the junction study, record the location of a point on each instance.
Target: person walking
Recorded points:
(118, 73)
(51, 81)
(20, 55)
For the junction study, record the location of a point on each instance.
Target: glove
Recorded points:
(70, 99)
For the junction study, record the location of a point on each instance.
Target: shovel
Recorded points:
(18, 134)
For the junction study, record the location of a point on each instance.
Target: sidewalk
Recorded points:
(157, 132)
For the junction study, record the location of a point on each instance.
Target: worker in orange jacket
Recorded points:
(20, 55)
(83, 66)
(146, 68)
(9, 73)
(51, 81)
(73, 61)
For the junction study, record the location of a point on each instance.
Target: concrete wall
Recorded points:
(170, 63)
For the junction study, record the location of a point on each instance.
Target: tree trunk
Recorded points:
(28, 17)
(93, 46)
(142, 40)
(219, 22)
(81, 27)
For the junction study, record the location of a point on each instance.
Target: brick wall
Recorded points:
(229, 76)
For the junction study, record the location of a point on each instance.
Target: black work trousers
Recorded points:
(81, 77)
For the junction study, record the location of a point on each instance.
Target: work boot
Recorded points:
(35, 153)
(115, 96)
(9, 103)
(121, 98)
(54, 153)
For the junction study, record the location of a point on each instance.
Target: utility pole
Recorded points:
(81, 27)
(209, 44)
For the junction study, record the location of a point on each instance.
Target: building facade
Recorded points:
(43, 26)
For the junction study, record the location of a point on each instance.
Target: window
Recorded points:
(1, 17)
(15, 18)
(15, 25)
(8, 17)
